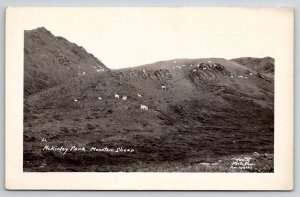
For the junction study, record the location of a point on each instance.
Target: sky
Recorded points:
(125, 37)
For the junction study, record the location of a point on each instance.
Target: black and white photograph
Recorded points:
(159, 90)
(178, 115)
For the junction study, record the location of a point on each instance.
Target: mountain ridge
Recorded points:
(263, 65)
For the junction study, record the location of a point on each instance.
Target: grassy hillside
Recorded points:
(211, 112)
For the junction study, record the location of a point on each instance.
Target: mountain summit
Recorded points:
(50, 60)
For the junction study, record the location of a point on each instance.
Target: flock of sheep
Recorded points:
(163, 87)
(117, 96)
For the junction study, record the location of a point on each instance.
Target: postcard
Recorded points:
(149, 98)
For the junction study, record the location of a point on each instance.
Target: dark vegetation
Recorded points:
(205, 117)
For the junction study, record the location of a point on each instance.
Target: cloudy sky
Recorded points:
(124, 37)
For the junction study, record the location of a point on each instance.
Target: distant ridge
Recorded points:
(263, 65)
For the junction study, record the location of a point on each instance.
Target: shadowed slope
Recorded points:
(211, 109)
(49, 60)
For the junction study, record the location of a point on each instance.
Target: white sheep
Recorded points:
(144, 107)
(139, 95)
(124, 98)
(99, 98)
(194, 70)
(117, 96)
(144, 73)
(163, 87)
(75, 100)
(256, 154)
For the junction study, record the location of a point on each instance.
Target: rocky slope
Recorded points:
(50, 60)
